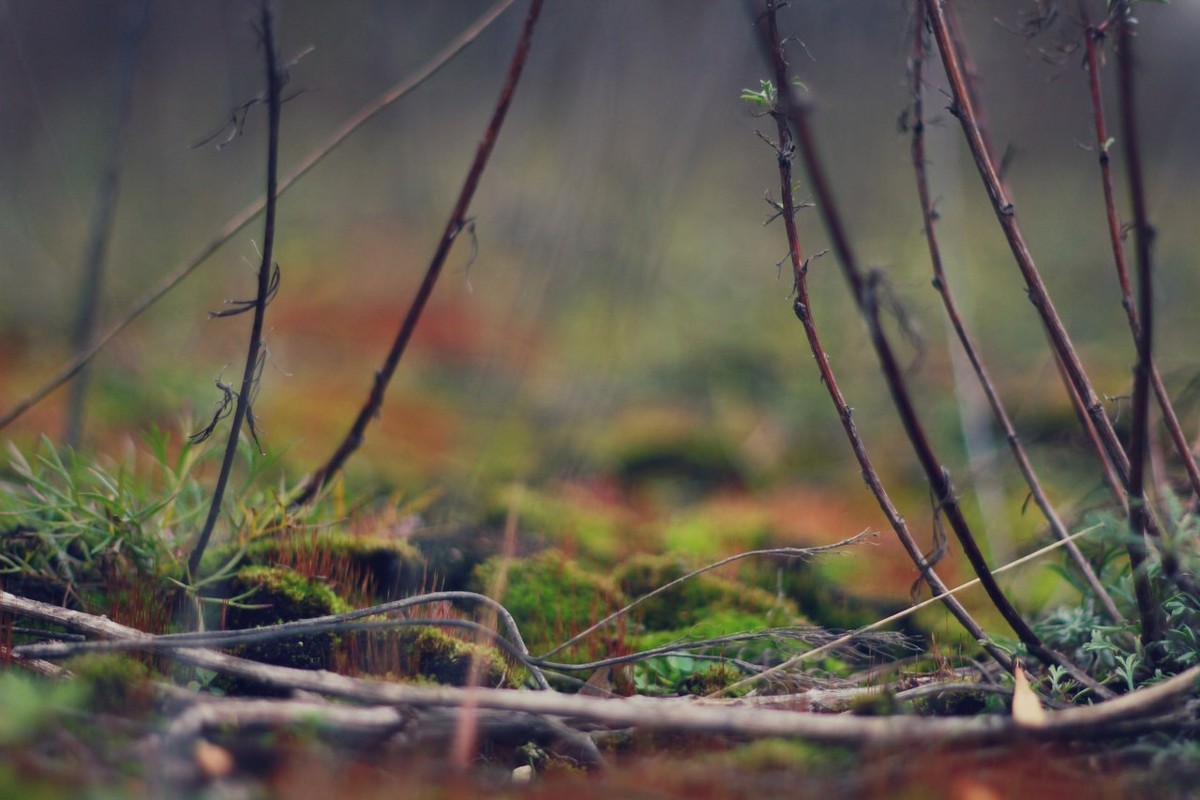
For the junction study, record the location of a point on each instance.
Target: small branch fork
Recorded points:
(942, 285)
(458, 220)
(863, 287)
(268, 281)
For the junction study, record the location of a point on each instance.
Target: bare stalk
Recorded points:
(1093, 40)
(865, 289)
(370, 409)
(940, 282)
(1139, 512)
(134, 14)
(247, 214)
(964, 109)
(276, 77)
(802, 306)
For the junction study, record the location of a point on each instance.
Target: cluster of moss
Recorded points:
(429, 654)
(272, 587)
(553, 597)
(550, 596)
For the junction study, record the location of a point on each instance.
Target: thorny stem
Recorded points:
(865, 289)
(940, 282)
(371, 407)
(247, 214)
(1093, 38)
(964, 109)
(802, 307)
(275, 80)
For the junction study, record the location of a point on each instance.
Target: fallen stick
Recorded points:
(1139, 708)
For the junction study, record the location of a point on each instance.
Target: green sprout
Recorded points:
(765, 98)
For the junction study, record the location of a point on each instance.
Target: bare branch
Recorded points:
(374, 401)
(247, 215)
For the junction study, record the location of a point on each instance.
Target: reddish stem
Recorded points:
(864, 289)
(1060, 340)
(1093, 36)
(942, 285)
(370, 409)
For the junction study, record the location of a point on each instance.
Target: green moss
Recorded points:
(818, 588)
(118, 682)
(596, 530)
(875, 704)
(715, 604)
(285, 596)
(710, 532)
(430, 654)
(768, 755)
(713, 679)
(550, 596)
(385, 567)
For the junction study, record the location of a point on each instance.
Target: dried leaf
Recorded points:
(213, 761)
(1026, 708)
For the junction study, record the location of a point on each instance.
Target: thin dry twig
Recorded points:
(845, 639)
(1134, 711)
(1093, 40)
(802, 309)
(267, 270)
(250, 212)
(458, 220)
(942, 285)
(328, 623)
(865, 289)
(1111, 450)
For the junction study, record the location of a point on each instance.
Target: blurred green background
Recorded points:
(625, 304)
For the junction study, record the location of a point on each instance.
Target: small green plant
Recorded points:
(764, 99)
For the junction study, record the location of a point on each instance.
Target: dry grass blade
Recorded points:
(845, 639)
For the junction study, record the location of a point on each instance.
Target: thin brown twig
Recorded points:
(865, 289)
(803, 311)
(1093, 39)
(964, 109)
(134, 15)
(1139, 511)
(248, 214)
(276, 77)
(942, 285)
(458, 217)
(1136, 708)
